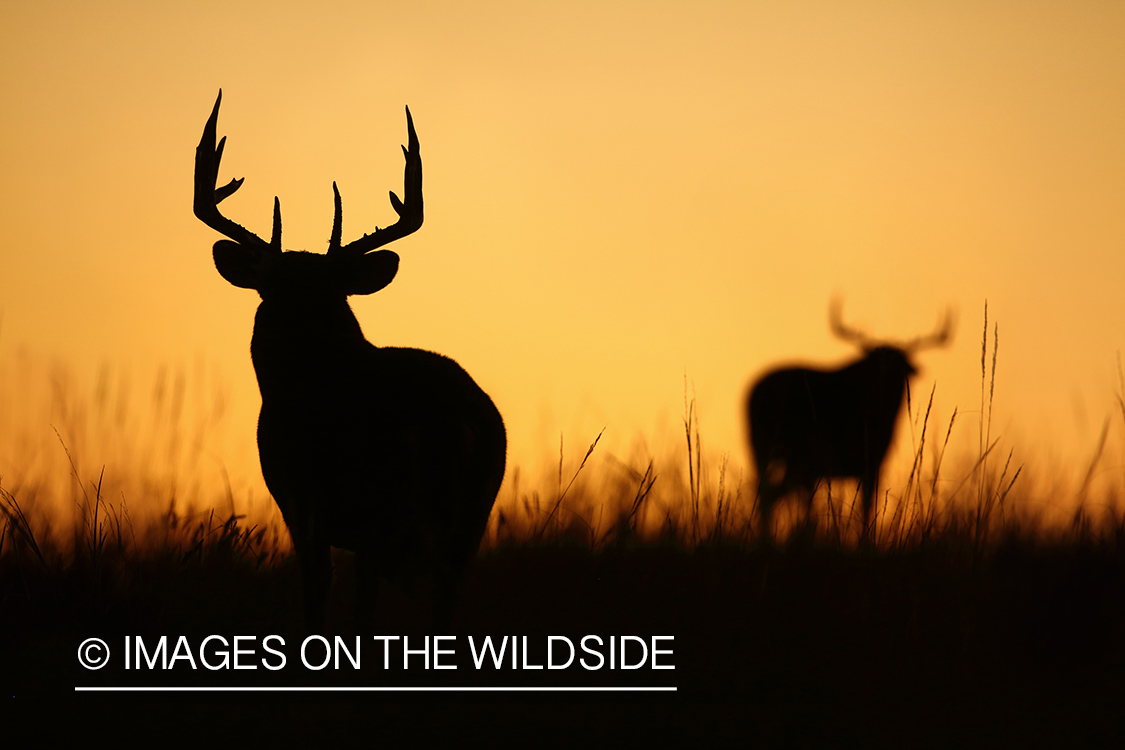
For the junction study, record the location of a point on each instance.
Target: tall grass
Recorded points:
(106, 487)
(93, 481)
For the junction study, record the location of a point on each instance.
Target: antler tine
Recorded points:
(835, 319)
(409, 211)
(275, 238)
(337, 220)
(208, 197)
(940, 337)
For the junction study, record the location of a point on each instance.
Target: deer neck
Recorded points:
(299, 343)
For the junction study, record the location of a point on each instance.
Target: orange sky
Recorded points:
(617, 195)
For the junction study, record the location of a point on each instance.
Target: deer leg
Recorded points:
(444, 601)
(449, 572)
(767, 496)
(316, 579)
(366, 589)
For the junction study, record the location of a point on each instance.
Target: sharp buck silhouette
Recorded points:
(808, 425)
(393, 453)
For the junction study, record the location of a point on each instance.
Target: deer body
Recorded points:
(808, 425)
(393, 444)
(393, 453)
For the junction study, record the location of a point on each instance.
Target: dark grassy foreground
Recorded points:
(938, 643)
(970, 622)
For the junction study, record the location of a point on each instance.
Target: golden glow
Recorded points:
(618, 196)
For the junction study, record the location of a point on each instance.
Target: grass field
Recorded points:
(974, 617)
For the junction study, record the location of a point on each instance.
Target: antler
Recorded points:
(835, 319)
(939, 337)
(208, 197)
(409, 212)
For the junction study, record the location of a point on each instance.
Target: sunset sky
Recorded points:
(618, 196)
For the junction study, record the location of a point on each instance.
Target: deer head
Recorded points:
(246, 260)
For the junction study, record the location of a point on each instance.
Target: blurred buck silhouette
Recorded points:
(393, 453)
(807, 425)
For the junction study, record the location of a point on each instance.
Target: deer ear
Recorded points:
(371, 272)
(236, 264)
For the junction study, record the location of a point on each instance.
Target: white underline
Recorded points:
(380, 689)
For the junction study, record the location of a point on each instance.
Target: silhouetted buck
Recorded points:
(807, 425)
(393, 453)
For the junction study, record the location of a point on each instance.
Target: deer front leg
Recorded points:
(444, 601)
(366, 589)
(315, 558)
(768, 495)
